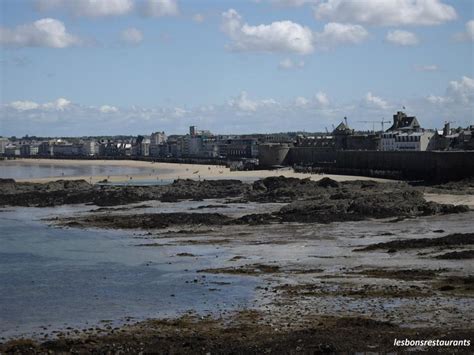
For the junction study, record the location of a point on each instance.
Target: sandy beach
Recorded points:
(172, 171)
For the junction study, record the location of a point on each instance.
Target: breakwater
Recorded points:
(425, 165)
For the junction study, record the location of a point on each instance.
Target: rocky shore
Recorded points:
(307, 201)
(323, 287)
(245, 332)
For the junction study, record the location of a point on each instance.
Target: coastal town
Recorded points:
(252, 177)
(404, 134)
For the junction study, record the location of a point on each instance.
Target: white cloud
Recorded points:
(179, 112)
(458, 92)
(88, 8)
(279, 36)
(386, 12)
(46, 32)
(60, 104)
(243, 114)
(287, 64)
(23, 105)
(131, 36)
(470, 30)
(461, 91)
(319, 100)
(243, 103)
(430, 67)
(322, 98)
(468, 34)
(159, 8)
(402, 38)
(301, 101)
(438, 99)
(198, 18)
(108, 109)
(376, 102)
(340, 33)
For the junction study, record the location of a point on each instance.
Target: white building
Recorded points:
(387, 141)
(3, 144)
(90, 148)
(415, 141)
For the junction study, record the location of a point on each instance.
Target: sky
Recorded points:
(105, 67)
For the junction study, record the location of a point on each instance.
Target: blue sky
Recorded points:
(74, 67)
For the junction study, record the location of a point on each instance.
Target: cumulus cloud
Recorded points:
(287, 36)
(23, 105)
(402, 38)
(108, 109)
(88, 8)
(46, 32)
(301, 101)
(319, 100)
(461, 91)
(386, 12)
(245, 104)
(322, 98)
(60, 104)
(243, 113)
(458, 92)
(375, 101)
(468, 34)
(159, 8)
(287, 64)
(131, 36)
(437, 99)
(279, 36)
(335, 34)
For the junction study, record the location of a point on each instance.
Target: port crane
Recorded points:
(374, 122)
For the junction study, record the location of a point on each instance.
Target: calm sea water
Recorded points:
(24, 170)
(57, 277)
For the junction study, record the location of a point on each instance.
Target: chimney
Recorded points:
(446, 129)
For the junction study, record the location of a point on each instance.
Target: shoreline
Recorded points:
(172, 171)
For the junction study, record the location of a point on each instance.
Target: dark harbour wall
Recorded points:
(430, 165)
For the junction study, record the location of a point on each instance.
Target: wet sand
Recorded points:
(171, 171)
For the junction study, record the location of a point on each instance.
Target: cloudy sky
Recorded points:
(91, 67)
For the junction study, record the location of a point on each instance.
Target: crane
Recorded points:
(374, 122)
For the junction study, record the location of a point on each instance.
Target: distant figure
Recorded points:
(208, 168)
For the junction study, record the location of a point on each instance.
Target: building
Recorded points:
(242, 148)
(46, 149)
(63, 149)
(402, 122)
(387, 141)
(29, 150)
(90, 148)
(413, 141)
(12, 150)
(406, 134)
(3, 144)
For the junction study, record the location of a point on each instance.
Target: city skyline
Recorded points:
(128, 67)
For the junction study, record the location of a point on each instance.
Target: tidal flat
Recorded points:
(276, 265)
